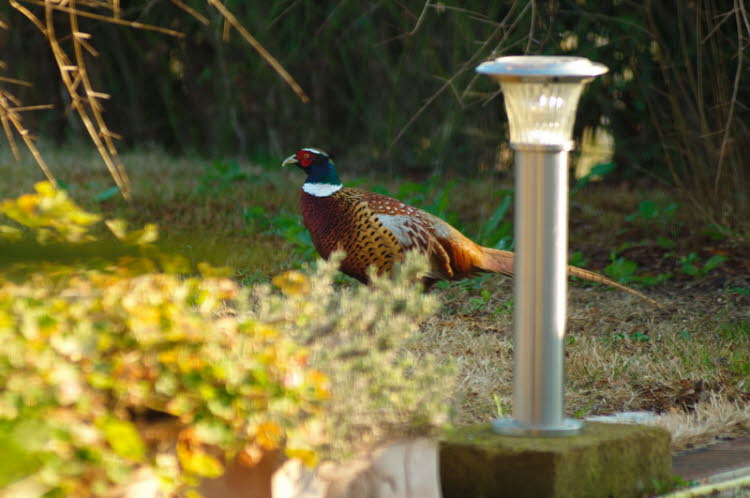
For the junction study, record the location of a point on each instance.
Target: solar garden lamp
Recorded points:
(541, 96)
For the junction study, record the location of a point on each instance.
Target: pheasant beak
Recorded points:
(290, 160)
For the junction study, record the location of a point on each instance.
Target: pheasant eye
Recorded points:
(305, 159)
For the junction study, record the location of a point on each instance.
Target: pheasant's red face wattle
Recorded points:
(305, 158)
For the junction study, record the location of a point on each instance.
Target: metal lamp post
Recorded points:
(541, 97)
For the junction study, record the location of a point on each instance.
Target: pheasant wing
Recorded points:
(417, 230)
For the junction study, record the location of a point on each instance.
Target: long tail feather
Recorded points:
(574, 271)
(497, 261)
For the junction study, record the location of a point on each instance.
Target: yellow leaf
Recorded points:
(269, 435)
(169, 356)
(10, 233)
(320, 384)
(45, 189)
(292, 283)
(148, 234)
(308, 457)
(123, 437)
(196, 461)
(119, 228)
(27, 203)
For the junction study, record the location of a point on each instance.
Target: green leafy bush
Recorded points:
(90, 353)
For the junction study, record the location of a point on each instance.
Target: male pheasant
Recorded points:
(376, 230)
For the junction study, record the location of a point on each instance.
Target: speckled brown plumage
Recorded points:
(376, 230)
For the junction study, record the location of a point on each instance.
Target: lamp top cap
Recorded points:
(542, 67)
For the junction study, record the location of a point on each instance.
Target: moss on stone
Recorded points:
(614, 460)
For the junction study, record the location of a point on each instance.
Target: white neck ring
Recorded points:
(320, 189)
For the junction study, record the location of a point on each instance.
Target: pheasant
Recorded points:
(377, 230)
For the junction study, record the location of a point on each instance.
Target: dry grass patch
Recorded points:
(717, 417)
(689, 363)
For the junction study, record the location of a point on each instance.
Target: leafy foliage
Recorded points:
(90, 352)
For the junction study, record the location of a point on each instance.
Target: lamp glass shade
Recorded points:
(541, 94)
(541, 113)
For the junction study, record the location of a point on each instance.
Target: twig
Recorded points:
(497, 47)
(9, 132)
(464, 67)
(531, 27)
(108, 154)
(283, 12)
(271, 60)
(414, 30)
(39, 107)
(8, 114)
(34, 19)
(736, 86)
(111, 159)
(200, 17)
(15, 81)
(99, 17)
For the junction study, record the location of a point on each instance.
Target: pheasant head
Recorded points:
(322, 178)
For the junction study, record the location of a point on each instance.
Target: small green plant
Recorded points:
(651, 211)
(220, 176)
(499, 411)
(577, 259)
(284, 224)
(665, 242)
(582, 412)
(107, 194)
(626, 337)
(505, 308)
(621, 269)
(672, 483)
(255, 219)
(599, 170)
(742, 291)
(478, 303)
(497, 232)
(639, 336)
(289, 226)
(634, 337)
(690, 265)
(624, 270)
